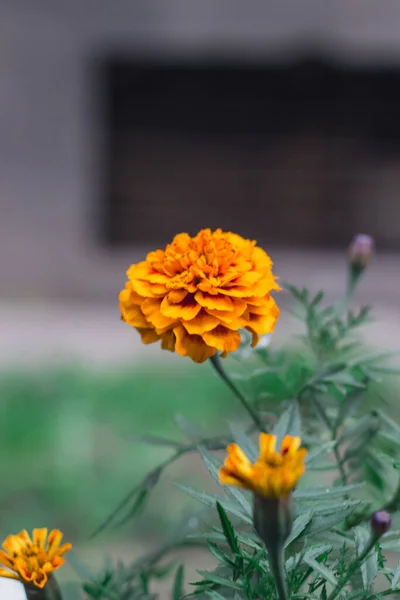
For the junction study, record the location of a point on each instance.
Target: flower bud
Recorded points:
(381, 522)
(361, 250)
(50, 591)
(273, 519)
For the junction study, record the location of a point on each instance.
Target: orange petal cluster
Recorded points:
(31, 560)
(199, 292)
(274, 474)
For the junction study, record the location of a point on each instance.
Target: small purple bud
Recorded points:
(361, 250)
(381, 522)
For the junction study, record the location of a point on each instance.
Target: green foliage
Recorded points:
(329, 397)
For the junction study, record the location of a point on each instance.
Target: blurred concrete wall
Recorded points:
(49, 139)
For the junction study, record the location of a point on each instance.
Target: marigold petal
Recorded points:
(133, 315)
(40, 536)
(168, 341)
(151, 308)
(55, 537)
(176, 296)
(214, 302)
(290, 444)
(39, 578)
(192, 345)
(6, 560)
(185, 311)
(226, 478)
(262, 324)
(255, 337)
(148, 290)
(267, 443)
(63, 549)
(222, 338)
(8, 574)
(201, 323)
(149, 336)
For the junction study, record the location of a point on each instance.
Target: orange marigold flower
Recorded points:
(31, 560)
(199, 292)
(274, 474)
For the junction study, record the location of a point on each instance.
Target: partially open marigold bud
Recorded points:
(361, 250)
(381, 522)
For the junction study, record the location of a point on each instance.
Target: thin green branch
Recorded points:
(151, 478)
(354, 567)
(216, 363)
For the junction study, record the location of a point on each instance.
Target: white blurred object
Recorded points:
(11, 589)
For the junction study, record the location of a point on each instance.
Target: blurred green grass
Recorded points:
(68, 456)
(67, 437)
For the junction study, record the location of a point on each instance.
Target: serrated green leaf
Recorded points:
(364, 425)
(250, 540)
(154, 440)
(369, 568)
(210, 500)
(349, 406)
(343, 378)
(317, 299)
(326, 573)
(219, 554)
(396, 577)
(319, 452)
(238, 496)
(228, 530)
(209, 576)
(299, 525)
(241, 438)
(326, 493)
(320, 523)
(211, 462)
(321, 412)
(214, 595)
(191, 431)
(332, 507)
(289, 423)
(177, 590)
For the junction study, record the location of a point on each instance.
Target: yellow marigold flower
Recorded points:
(274, 474)
(199, 292)
(31, 560)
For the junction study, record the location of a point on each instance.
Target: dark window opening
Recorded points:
(274, 153)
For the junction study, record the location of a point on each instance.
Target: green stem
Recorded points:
(216, 363)
(276, 562)
(354, 566)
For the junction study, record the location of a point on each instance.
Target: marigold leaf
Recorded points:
(210, 577)
(210, 500)
(154, 440)
(320, 523)
(289, 423)
(319, 452)
(219, 554)
(299, 525)
(241, 438)
(396, 576)
(326, 493)
(211, 462)
(369, 568)
(177, 590)
(191, 430)
(228, 530)
(214, 595)
(326, 573)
